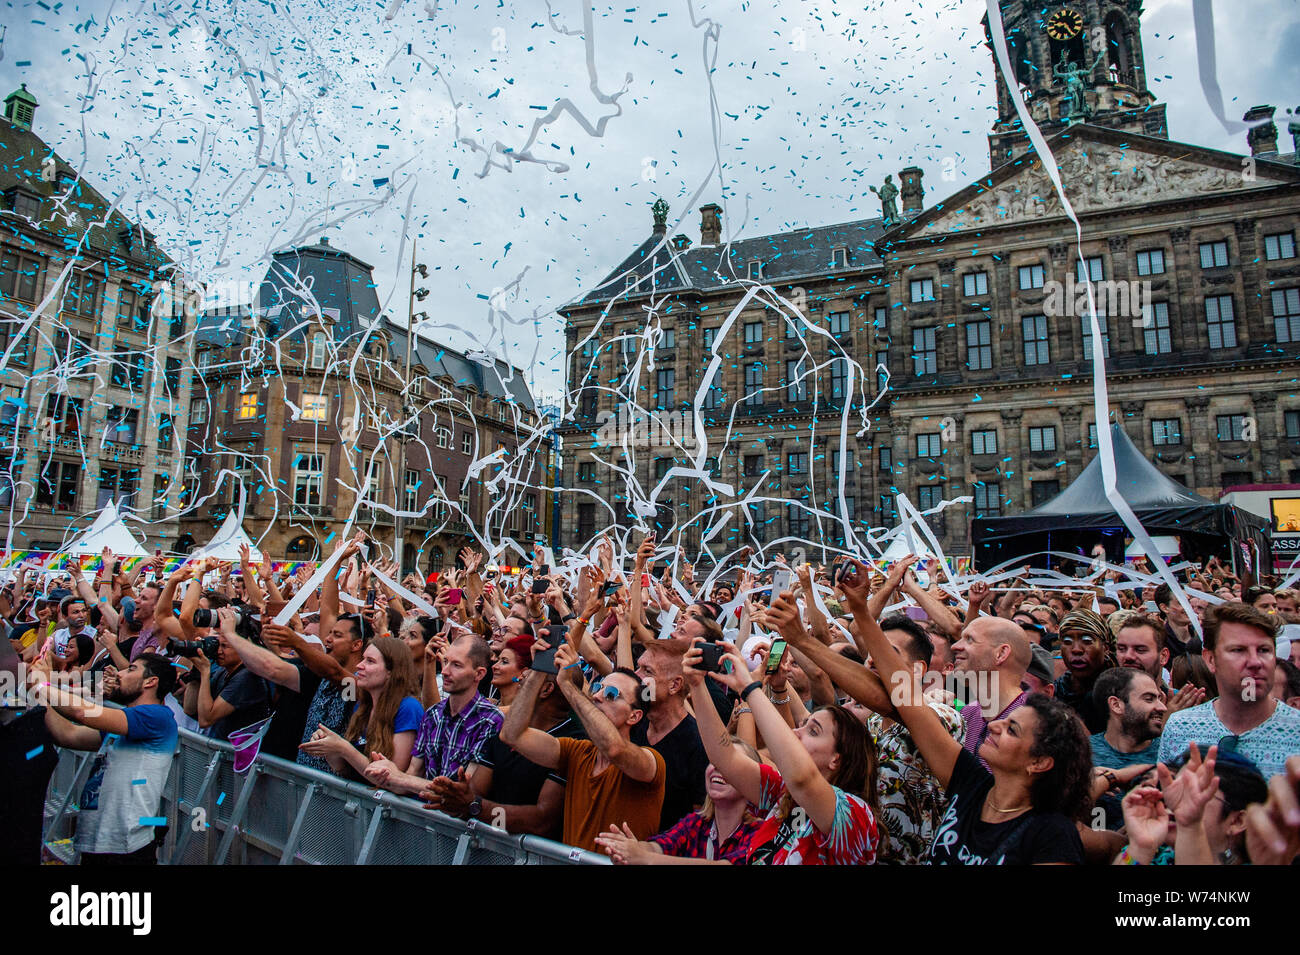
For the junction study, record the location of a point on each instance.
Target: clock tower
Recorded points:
(1074, 61)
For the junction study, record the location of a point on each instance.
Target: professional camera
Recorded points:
(208, 618)
(191, 648)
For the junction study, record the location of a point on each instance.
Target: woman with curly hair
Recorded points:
(1022, 809)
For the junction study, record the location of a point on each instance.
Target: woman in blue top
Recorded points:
(386, 717)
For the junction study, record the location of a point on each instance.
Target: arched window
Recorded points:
(318, 350)
(184, 544)
(1119, 54)
(303, 548)
(436, 557)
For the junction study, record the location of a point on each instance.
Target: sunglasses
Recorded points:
(609, 692)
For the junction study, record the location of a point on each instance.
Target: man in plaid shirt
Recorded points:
(454, 730)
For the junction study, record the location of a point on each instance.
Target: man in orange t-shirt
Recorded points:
(610, 780)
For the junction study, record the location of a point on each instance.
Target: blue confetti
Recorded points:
(138, 782)
(32, 754)
(221, 799)
(153, 820)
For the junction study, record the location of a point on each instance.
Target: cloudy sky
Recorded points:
(233, 130)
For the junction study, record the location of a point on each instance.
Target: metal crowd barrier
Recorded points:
(282, 813)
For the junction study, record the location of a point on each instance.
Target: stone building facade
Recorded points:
(302, 403)
(972, 306)
(96, 377)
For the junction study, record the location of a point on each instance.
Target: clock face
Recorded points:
(1064, 24)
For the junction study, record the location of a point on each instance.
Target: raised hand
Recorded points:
(1146, 819)
(1188, 793)
(1273, 828)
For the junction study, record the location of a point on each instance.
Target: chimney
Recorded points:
(681, 242)
(1262, 139)
(912, 192)
(711, 224)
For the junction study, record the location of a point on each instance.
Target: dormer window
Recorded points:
(631, 283)
(755, 272)
(23, 203)
(840, 258)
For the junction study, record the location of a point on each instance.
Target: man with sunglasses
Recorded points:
(611, 780)
(1239, 647)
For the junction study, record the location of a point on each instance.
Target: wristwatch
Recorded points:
(475, 807)
(572, 616)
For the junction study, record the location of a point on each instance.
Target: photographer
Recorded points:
(228, 697)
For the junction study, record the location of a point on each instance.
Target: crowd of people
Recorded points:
(782, 715)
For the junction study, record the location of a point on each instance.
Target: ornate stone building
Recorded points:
(302, 401)
(95, 377)
(973, 306)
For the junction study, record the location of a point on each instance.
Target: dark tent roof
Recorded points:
(1161, 504)
(1139, 482)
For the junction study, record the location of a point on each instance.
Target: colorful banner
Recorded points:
(91, 563)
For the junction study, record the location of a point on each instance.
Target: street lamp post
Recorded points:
(408, 408)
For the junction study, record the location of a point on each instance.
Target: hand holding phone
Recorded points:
(775, 656)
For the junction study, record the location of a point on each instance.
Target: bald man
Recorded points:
(990, 660)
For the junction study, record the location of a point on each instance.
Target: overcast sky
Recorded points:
(236, 129)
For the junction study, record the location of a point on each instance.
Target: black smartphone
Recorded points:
(544, 661)
(712, 662)
(370, 597)
(611, 587)
(775, 656)
(541, 585)
(840, 571)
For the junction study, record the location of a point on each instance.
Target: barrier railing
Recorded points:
(282, 813)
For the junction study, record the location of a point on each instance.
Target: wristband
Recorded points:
(572, 616)
(1126, 858)
(744, 694)
(582, 620)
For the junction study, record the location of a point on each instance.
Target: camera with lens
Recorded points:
(191, 648)
(204, 618)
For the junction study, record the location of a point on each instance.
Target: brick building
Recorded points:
(303, 403)
(972, 307)
(96, 379)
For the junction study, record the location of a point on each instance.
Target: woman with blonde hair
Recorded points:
(721, 833)
(386, 717)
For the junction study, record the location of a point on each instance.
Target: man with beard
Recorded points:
(1086, 649)
(135, 748)
(1129, 746)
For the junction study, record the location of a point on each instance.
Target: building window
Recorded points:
(882, 317)
(1214, 255)
(753, 465)
(1151, 262)
(1031, 277)
(975, 283)
(1092, 436)
(887, 508)
(132, 309)
(796, 388)
(20, 276)
(1087, 336)
(882, 369)
(248, 406)
(927, 445)
(839, 258)
(172, 376)
(587, 472)
(799, 522)
(1237, 478)
(925, 351)
(754, 384)
(315, 407)
(317, 359)
(753, 333)
(839, 323)
(1166, 432)
(984, 442)
(886, 457)
(796, 462)
(166, 432)
(1286, 315)
(308, 479)
(1280, 246)
(1231, 427)
(665, 387)
(839, 377)
(1040, 492)
(1042, 439)
(709, 336)
(1221, 321)
(63, 415)
(1037, 348)
(929, 496)
(159, 500)
(922, 290)
(59, 485)
(117, 485)
(661, 467)
(466, 442)
(1089, 270)
(1291, 420)
(979, 345)
(123, 425)
(442, 436)
(82, 294)
(1156, 336)
(988, 500)
(198, 412)
(754, 271)
(669, 339)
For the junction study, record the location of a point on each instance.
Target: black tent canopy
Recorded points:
(1081, 516)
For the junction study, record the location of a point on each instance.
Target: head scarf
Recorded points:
(1094, 625)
